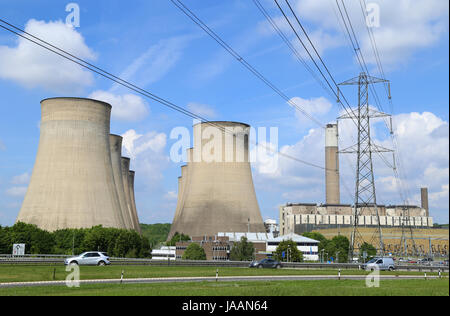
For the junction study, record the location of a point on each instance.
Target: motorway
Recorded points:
(213, 279)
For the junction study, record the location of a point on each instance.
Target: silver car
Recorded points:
(89, 258)
(380, 263)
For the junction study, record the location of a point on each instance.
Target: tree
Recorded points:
(289, 247)
(341, 246)
(242, 250)
(177, 237)
(370, 249)
(194, 252)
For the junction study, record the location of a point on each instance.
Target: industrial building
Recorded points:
(77, 179)
(336, 217)
(215, 190)
(218, 247)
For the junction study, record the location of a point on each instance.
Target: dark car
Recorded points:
(265, 263)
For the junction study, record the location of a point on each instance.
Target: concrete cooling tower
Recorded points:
(131, 175)
(332, 165)
(72, 184)
(128, 186)
(216, 187)
(116, 154)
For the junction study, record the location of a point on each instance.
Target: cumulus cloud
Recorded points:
(313, 106)
(34, 66)
(203, 110)
(127, 107)
(21, 179)
(405, 26)
(423, 160)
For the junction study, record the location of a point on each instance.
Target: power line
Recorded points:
(62, 53)
(191, 15)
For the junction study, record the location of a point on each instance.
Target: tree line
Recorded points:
(116, 242)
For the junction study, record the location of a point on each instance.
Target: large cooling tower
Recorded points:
(116, 154)
(125, 164)
(72, 184)
(332, 165)
(131, 175)
(217, 192)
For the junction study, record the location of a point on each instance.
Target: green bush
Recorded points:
(194, 252)
(242, 251)
(116, 242)
(290, 246)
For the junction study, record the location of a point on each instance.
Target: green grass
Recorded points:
(437, 287)
(22, 273)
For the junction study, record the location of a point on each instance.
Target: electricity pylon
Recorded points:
(365, 202)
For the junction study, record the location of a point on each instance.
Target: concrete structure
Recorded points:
(424, 200)
(137, 226)
(217, 192)
(272, 226)
(116, 154)
(332, 164)
(309, 247)
(125, 164)
(72, 184)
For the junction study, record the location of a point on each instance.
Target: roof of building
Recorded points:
(236, 236)
(296, 238)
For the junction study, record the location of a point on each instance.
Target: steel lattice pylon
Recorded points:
(365, 202)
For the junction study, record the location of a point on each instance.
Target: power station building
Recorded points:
(215, 190)
(77, 179)
(305, 217)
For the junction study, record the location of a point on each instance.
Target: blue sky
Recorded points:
(155, 46)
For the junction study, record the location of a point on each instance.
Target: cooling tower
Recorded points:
(332, 165)
(125, 164)
(72, 184)
(424, 200)
(131, 175)
(217, 192)
(116, 154)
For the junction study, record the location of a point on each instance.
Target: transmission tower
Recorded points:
(365, 202)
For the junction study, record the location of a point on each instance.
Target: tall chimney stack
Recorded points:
(332, 165)
(424, 200)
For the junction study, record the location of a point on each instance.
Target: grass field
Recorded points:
(22, 273)
(436, 287)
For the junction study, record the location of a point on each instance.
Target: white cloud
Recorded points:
(203, 110)
(21, 179)
(171, 195)
(405, 27)
(313, 106)
(34, 66)
(17, 191)
(127, 107)
(423, 144)
(136, 144)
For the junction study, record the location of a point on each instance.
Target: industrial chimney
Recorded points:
(332, 165)
(131, 175)
(72, 184)
(116, 154)
(424, 200)
(217, 193)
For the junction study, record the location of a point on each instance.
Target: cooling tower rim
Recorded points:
(218, 122)
(116, 135)
(76, 98)
(131, 171)
(125, 158)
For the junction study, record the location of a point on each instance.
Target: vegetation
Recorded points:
(336, 248)
(155, 233)
(247, 288)
(370, 249)
(194, 252)
(177, 237)
(290, 250)
(242, 250)
(117, 242)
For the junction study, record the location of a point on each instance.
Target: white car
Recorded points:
(89, 258)
(380, 263)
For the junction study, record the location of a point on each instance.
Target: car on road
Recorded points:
(266, 263)
(425, 261)
(380, 263)
(89, 258)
